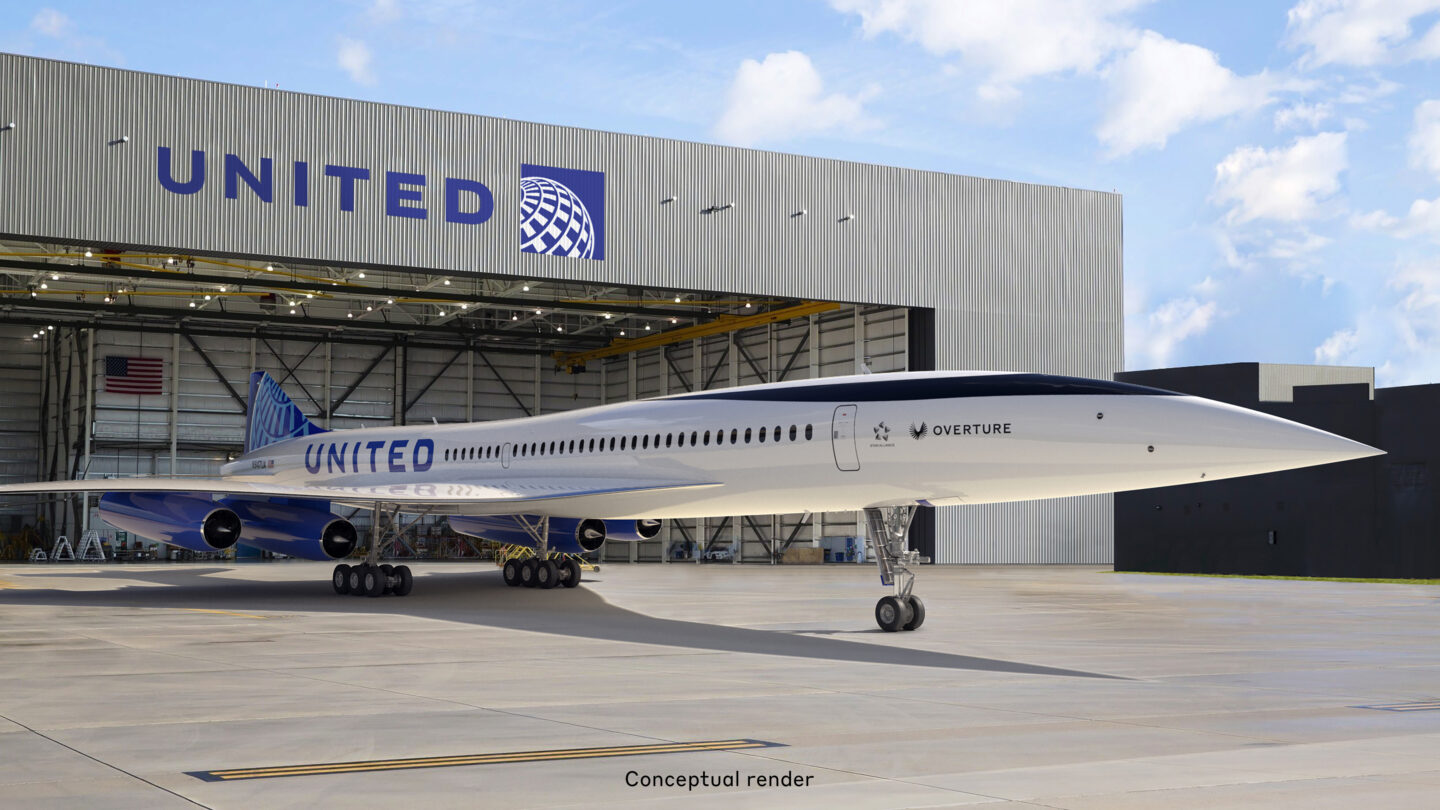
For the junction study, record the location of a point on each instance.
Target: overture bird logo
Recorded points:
(919, 432)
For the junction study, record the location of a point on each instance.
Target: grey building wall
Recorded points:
(1020, 276)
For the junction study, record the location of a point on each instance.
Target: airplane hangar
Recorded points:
(394, 265)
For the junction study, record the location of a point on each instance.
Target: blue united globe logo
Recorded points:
(553, 220)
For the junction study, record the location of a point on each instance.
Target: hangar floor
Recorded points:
(142, 686)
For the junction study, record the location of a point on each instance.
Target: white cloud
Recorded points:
(783, 97)
(1425, 138)
(1361, 93)
(1417, 314)
(1152, 338)
(1336, 348)
(1429, 47)
(1423, 219)
(1162, 86)
(1287, 184)
(1296, 246)
(1356, 32)
(51, 23)
(354, 58)
(1302, 116)
(1009, 40)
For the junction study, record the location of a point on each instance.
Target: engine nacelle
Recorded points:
(179, 518)
(632, 531)
(567, 535)
(295, 528)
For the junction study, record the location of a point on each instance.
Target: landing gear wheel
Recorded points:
(387, 573)
(547, 574)
(374, 581)
(511, 573)
(917, 613)
(891, 614)
(571, 577)
(527, 572)
(340, 579)
(387, 569)
(404, 581)
(356, 579)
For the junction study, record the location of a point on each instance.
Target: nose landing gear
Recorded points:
(889, 532)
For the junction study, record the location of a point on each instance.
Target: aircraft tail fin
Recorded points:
(271, 416)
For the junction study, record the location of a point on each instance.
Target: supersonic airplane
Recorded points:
(565, 483)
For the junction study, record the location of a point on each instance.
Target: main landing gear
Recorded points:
(543, 570)
(889, 530)
(545, 574)
(373, 578)
(367, 579)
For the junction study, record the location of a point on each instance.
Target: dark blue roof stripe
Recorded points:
(882, 388)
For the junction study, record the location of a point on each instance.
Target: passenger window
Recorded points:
(646, 444)
(693, 435)
(622, 442)
(762, 435)
(747, 435)
(792, 433)
(777, 433)
(719, 437)
(734, 435)
(707, 438)
(809, 432)
(612, 444)
(669, 437)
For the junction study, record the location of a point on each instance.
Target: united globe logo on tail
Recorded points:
(562, 211)
(271, 417)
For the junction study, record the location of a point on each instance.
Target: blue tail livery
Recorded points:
(272, 417)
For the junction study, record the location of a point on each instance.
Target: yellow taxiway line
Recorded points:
(478, 759)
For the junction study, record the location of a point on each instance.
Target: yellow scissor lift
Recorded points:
(506, 553)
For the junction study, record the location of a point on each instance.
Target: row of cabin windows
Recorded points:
(631, 443)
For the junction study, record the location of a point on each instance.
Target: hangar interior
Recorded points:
(358, 347)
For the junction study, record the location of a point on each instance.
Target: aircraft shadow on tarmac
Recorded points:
(483, 599)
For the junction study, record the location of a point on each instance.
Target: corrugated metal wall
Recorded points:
(1278, 380)
(1020, 276)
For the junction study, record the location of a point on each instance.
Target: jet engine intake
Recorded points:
(295, 527)
(632, 531)
(190, 521)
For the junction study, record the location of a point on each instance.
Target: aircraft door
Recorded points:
(506, 453)
(842, 438)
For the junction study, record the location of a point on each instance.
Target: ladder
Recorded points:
(90, 548)
(63, 550)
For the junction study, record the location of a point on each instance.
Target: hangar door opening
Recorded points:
(367, 347)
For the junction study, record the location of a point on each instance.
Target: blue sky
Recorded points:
(1280, 162)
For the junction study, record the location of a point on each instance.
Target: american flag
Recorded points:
(134, 375)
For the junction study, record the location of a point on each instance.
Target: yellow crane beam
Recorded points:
(571, 362)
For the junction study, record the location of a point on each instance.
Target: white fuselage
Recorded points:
(843, 443)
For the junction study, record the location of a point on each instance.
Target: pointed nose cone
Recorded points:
(1239, 441)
